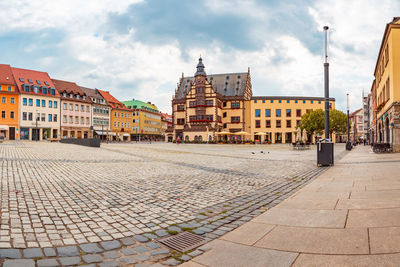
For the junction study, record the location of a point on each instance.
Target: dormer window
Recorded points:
(38, 82)
(84, 97)
(46, 83)
(71, 96)
(26, 88)
(30, 80)
(53, 91)
(77, 96)
(44, 90)
(64, 94)
(21, 80)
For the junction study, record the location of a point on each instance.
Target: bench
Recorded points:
(301, 145)
(381, 148)
(53, 139)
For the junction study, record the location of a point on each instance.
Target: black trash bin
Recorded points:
(325, 153)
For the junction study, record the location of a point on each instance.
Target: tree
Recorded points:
(337, 122)
(314, 122)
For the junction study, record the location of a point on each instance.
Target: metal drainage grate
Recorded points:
(183, 242)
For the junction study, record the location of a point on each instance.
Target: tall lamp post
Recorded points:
(326, 78)
(348, 143)
(325, 156)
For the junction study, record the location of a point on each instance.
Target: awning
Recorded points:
(125, 134)
(4, 127)
(101, 132)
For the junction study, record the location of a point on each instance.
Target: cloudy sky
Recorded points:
(139, 48)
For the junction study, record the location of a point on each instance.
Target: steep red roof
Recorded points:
(6, 76)
(70, 88)
(22, 76)
(112, 101)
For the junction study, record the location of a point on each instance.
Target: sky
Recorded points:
(139, 48)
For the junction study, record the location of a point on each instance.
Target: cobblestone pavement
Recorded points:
(67, 205)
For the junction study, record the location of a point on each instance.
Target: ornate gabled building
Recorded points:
(205, 105)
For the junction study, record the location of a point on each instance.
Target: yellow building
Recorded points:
(275, 118)
(146, 120)
(206, 105)
(387, 79)
(120, 118)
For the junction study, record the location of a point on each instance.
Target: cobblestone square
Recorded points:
(55, 195)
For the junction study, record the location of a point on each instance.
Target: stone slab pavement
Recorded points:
(348, 216)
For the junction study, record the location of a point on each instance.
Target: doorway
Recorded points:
(12, 133)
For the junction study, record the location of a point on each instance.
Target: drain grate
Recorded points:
(183, 242)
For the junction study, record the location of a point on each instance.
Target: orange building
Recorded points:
(120, 118)
(8, 104)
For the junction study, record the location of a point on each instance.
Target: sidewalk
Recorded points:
(348, 216)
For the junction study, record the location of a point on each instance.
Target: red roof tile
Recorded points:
(70, 88)
(6, 76)
(34, 76)
(112, 101)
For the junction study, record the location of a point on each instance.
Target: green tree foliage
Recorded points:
(314, 122)
(337, 122)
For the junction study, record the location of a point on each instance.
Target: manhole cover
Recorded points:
(183, 242)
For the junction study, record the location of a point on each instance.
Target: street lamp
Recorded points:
(348, 143)
(325, 156)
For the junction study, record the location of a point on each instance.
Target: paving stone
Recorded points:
(127, 241)
(185, 257)
(195, 253)
(47, 263)
(49, 252)
(91, 248)
(150, 236)
(30, 253)
(110, 245)
(160, 252)
(111, 255)
(152, 245)
(142, 265)
(140, 249)
(91, 258)
(175, 229)
(68, 251)
(128, 251)
(130, 260)
(205, 229)
(161, 233)
(10, 253)
(19, 263)
(171, 262)
(142, 257)
(140, 238)
(69, 261)
(109, 264)
(198, 232)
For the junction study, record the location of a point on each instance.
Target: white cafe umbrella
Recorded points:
(298, 136)
(304, 135)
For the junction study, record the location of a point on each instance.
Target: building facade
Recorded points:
(100, 113)
(9, 104)
(75, 110)
(221, 108)
(146, 120)
(39, 101)
(206, 105)
(274, 118)
(357, 125)
(120, 118)
(387, 82)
